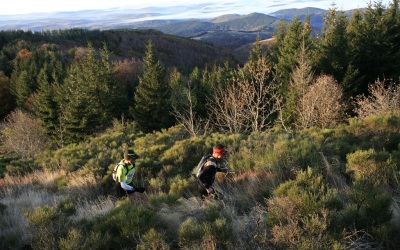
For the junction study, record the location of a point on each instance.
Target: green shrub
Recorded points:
(210, 228)
(74, 240)
(183, 155)
(158, 184)
(10, 241)
(80, 239)
(18, 167)
(61, 182)
(301, 211)
(153, 240)
(66, 206)
(377, 168)
(94, 155)
(42, 216)
(190, 233)
(178, 185)
(45, 230)
(169, 199)
(376, 131)
(221, 231)
(387, 235)
(371, 205)
(124, 223)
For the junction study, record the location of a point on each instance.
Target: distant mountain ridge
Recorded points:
(123, 18)
(230, 31)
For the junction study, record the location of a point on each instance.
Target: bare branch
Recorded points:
(381, 99)
(247, 103)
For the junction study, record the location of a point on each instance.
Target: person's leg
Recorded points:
(202, 190)
(130, 191)
(120, 192)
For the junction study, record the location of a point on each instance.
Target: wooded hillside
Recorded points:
(311, 124)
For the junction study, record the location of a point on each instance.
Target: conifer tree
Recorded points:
(178, 86)
(289, 46)
(6, 99)
(152, 108)
(256, 51)
(90, 95)
(20, 88)
(200, 89)
(375, 44)
(26, 65)
(217, 76)
(27, 68)
(184, 102)
(302, 78)
(333, 53)
(46, 107)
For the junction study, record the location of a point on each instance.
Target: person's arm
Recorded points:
(126, 186)
(223, 170)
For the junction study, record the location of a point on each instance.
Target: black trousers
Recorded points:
(202, 190)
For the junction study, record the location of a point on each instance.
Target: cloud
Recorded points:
(178, 7)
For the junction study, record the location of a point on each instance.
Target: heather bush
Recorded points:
(211, 228)
(376, 168)
(18, 166)
(123, 224)
(300, 212)
(42, 216)
(376, 131)
(163, 198)
(178, 185)
(369, 209)
(46, 225)
(153, 240)
(75, 239)
(190, 233)
(303, 149)
(80, 239)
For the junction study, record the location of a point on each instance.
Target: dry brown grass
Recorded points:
(25, 193)
(13, 221)
(44, 178)
(243, 205)
(91, 208)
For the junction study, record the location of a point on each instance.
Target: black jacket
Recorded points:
(207, 172)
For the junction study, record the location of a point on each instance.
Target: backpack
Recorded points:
(200, 165)
(114, 173)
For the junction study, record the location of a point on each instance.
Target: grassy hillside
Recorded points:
(332, 188)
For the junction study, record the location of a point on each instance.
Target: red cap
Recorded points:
(219, 150)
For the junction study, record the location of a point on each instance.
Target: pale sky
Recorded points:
(11, 7)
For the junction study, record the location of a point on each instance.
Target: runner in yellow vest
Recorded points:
(124, 175)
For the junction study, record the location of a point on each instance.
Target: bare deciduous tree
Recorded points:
(226, 109)
(187, 117)
(23, 134)
(247, 103)
(381, 99)
(323, 103)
